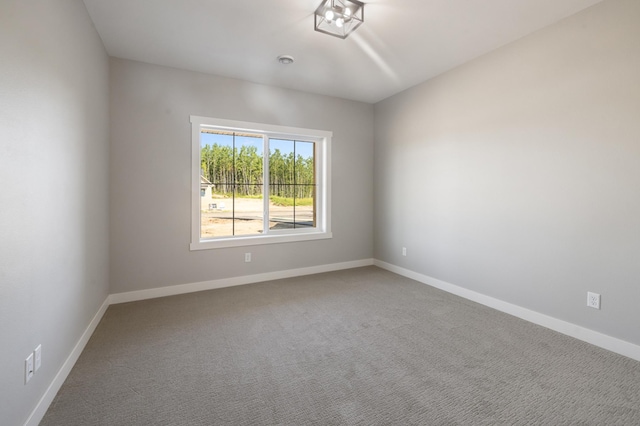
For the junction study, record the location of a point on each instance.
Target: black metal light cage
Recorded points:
(346, 16)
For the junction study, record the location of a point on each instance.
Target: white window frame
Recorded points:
(322, 140)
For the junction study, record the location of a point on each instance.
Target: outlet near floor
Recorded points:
(593, 300)
(37, 353)
(28, 368)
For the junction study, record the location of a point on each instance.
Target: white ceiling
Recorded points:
(400, 44)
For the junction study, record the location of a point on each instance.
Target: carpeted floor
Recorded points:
(355, 347)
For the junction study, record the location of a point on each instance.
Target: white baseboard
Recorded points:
(601, 340)
(604, 341)
(41, 408)
(43, 405)
(152, 293)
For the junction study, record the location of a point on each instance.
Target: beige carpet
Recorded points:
(356, 347)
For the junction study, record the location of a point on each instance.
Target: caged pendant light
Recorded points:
(338, 18)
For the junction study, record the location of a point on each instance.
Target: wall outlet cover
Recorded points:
(37, 354)
(593, 300)
(28, 368)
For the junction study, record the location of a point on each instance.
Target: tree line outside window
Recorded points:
(233, 163)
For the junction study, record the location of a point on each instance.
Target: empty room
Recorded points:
(319, 212)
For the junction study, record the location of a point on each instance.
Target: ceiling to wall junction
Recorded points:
(401, 43)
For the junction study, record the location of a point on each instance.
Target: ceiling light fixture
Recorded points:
(285, 59)
(338, 18)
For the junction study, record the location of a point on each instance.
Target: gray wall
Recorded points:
(517, 175)
(150, 207)
(53, 202)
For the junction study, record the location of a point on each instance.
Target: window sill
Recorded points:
(258, 240)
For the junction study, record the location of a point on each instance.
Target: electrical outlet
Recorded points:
(404, 251)
(247, 257)
(593, 300)
(28, 368)
(37, 354)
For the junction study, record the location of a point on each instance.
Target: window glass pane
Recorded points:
(232, 178)
(216, 174)
(305, 163)
(217, 220)
(248, 160)
(304, 184)
(216, 159)
(248, 202)
(281, 209)
(305, 207)
(281, 165)
(248, 210)
(292, 184)
(281, 168)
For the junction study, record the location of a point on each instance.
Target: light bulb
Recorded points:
(339, 22)
(329, 15)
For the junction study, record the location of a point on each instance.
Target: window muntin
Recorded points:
(267, 184)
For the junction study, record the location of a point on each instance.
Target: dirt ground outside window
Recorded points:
(217, 214)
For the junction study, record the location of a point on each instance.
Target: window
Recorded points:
(257, 184)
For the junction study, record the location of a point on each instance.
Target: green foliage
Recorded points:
(288, 202)
(241, 170)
